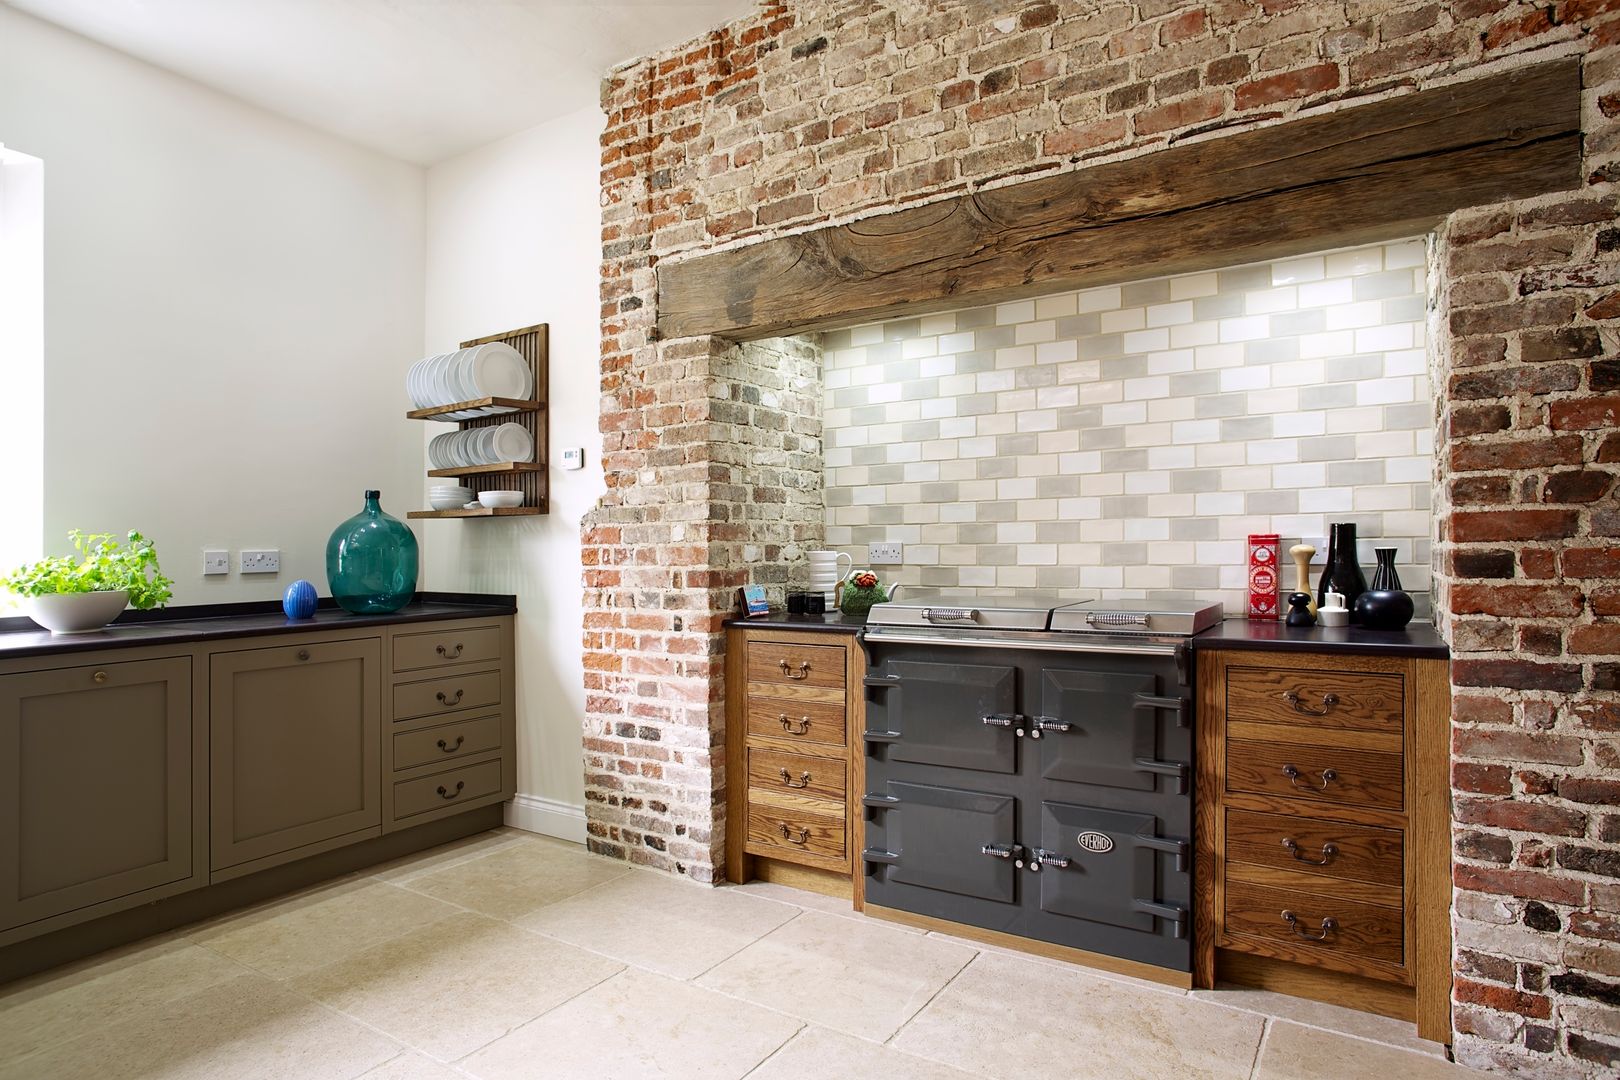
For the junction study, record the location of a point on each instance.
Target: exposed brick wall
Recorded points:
(816, 111)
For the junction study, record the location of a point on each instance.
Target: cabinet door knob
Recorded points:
(445, 699)
(451, 653)
(303, 654)
(100, 676)
(449, 748)
(445, 794)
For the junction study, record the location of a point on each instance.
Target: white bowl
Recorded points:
(76, 613)
(500, 499)
(447, 502)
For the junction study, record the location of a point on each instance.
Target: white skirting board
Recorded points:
(549, 817)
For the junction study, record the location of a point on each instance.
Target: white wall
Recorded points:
(513, 240)
(231, 302)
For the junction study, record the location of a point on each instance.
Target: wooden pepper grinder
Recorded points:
(1302, 561)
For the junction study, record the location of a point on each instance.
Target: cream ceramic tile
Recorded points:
(46, 1011)
(642, 1026)
(1293, 1052)
(249, 1027)
(1319, 1014)
(864, 978)
(1120, 1032)
(701, 925)
(819, 1052)
(290, 938)
(457, 985)
(520, 879)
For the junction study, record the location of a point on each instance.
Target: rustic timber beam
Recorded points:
(1371, 172)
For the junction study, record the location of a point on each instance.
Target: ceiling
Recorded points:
(420, 80)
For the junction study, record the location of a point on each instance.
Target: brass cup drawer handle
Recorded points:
(1293, 774)
(303, 654)
(450, 748)
(449, 654)
(1329, 925)
(803, 673)
(446, 699)
(788, 835)
(448, 795)
(1328, 701)
(1330, 851)
(787, 778)
(100, 676)
(801, 726)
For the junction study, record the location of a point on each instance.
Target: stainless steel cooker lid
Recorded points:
(967, 611)
(1181, 617)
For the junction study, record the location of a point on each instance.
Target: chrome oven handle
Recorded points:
(950, 614)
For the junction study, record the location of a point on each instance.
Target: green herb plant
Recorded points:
(102, 564)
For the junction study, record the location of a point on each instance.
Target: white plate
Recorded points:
(498, 370)
(461, 379)
(511, 443)
(431, 388)
(436, 451)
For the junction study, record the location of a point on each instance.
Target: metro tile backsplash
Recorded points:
(1128, 439)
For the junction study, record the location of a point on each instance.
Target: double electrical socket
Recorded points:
(885, 554)
(259, 561)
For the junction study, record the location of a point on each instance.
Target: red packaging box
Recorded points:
(1263, 571)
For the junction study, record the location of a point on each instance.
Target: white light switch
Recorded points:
(216, 562)
(573, 457)
(261, 561)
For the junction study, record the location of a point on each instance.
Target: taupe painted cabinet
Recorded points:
(96, 776)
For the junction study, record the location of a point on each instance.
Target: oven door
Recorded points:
(1104, 728)
(957, 715)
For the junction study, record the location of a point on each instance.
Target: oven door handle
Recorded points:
(1170, 912)
(1178, 848)
(1179, 704)
(1079, 644)
(873, 801)
(1177, 769)
(878, 855)
(881, 736)
(881, 682)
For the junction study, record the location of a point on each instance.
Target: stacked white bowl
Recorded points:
(450, 497)
(824, 573)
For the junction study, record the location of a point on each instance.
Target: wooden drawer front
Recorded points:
(775, 663)
(788, 833)
(1326, 774)
(440, 648)
(1351, 852)
(797, 781)
(1366, 931)
(446, 742)
(446, 789)
(1330, 699)
(809, 722)
(448, 693)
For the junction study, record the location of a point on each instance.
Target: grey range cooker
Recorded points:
(1029, 768)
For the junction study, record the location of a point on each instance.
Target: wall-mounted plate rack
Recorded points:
(534, 345)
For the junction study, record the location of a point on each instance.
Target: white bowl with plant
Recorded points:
(75, 594)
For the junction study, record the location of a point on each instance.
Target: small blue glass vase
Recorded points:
(299, 601)
(371, 561)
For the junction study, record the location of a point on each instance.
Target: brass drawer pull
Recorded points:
(1329, 851)
(303, 654)
(446, 700)
(804, 669)
(450, 748)
(787, 834)
(447, 795)
(804, 779)
(788, 723)
(1293, 774)
(448, 654)
(100, 676)
(1328, 701)
(1329, 925)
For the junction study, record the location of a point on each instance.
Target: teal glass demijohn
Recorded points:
(371, 561)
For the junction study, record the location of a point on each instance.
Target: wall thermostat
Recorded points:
(574, 458)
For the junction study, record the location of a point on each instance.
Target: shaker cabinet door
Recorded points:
(296, 742)
(95, 787)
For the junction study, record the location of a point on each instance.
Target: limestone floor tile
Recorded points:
(457, 984)
(422, 863)
(286, 940)
(657, 922)
(1012, 1019)
(519, 878)
(245, 1029)
(1065, 965)
(858, 977)
(820, 1052)
(638, 1026)
(812, 901)
(413, 1066)
(1319, 1014)
(1294, 1052)
(45, 1012)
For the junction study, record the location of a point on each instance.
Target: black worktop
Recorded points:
(20, 637)
(1418, 641)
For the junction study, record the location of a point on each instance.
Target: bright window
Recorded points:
(22, 355)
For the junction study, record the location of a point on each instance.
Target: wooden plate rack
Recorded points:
(534, 345)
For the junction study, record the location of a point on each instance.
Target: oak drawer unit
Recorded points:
(792, 700)
(1322, 829)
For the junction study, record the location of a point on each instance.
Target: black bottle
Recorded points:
(1343, 571)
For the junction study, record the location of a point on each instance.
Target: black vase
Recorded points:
(1385, 606)
(1342, 573)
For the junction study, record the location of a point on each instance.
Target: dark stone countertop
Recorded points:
(20, 637)
(1419, 640)
(832, 623)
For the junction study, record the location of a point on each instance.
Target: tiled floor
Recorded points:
(513, 956)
